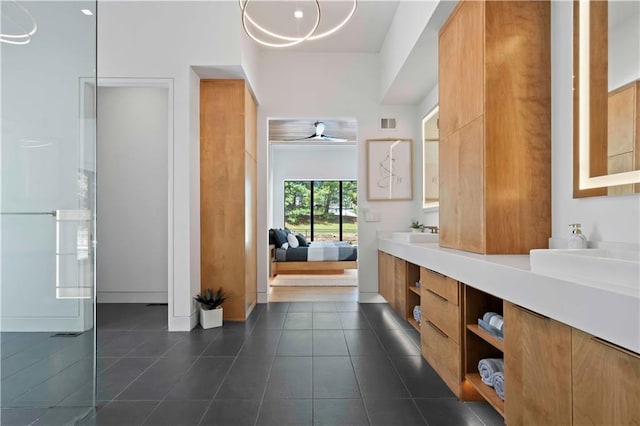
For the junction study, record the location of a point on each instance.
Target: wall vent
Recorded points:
(387, 123)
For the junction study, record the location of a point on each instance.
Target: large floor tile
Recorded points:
(295, 343)
(20, 416)
(299, 321)
(354, 321)
(420, 378)
(291, 377)
(396, 342)
(363, 343)
(378, 379)
(226, 343)
(339, 412)
(487, 414)
(396, 412)
(120, 413)
(281, 412)
(177, 413)
(271, 320)
(329, 343)
(231, 412)
(247, 379)
(300, 307)
(262, 342)
(445, 412)
(158, 344)
(333, 377)
(202, 380)
(157, 380)
(326, 321)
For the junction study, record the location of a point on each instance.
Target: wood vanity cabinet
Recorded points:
(606, 382)
(440, 330)
(537, 361)
(495, 127)
(228, 193)
(396, 283)
(386, 277)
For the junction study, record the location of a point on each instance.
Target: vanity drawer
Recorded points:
(444, 315)
(440, 285)
(442, 353)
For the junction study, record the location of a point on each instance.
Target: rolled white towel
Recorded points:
(487, 367)
(498, 383)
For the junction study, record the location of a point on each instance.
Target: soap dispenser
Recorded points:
(577, 240)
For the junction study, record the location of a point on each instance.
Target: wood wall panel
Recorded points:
(227, 195)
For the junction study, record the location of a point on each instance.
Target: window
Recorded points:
(322, 210)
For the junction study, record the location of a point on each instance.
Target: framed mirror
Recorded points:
(430, 170)
(606, 108)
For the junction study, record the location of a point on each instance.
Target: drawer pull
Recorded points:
(615, 347)
(437, 295)
(435, 327)
(527, 311)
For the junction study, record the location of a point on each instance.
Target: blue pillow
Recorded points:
(302, 240)
(280, 237)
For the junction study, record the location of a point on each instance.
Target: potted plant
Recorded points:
(416, 226)
(211, 307)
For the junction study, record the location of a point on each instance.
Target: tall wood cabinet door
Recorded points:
(400, 286)
(606, 382)
(250, 234)
(461, 69)
(537, 361)
(385, 276)
(462, 221)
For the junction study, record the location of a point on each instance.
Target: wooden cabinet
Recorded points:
(228, 193)
(495, 127)
(606, 382)
(537, 360)
(386, 277)
(440, 329)
(397, 284)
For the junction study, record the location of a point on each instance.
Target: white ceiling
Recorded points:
(365, 32)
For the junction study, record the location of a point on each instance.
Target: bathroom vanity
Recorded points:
(571, 348)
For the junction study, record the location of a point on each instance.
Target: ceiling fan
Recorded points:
(320, 136)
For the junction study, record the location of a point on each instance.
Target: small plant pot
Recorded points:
(416, 230)
(211, 318)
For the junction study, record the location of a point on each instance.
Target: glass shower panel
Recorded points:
(47, 205)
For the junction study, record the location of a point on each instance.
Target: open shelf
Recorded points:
(414, 323)
(487, 392)
(415, 289)
(487, 337)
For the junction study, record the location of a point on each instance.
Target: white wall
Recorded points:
(132, 186)
(332, 85)
(164, 39)
(612, 218)
(305, 163)
(42, 153)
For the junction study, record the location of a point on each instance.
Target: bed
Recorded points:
(327, 257)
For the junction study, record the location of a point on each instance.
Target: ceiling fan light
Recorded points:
(313, 36)
(293, 40)
(298, 14)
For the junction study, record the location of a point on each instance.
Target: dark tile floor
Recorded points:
(289, 364)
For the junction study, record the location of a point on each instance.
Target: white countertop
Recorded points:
(612, 316)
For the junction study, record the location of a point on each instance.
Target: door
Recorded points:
(47, 200)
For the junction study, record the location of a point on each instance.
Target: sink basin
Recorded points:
(415, 237)
(598, 267)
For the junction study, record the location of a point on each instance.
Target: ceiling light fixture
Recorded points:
(23, 38)
(294, 40)
(298, 14)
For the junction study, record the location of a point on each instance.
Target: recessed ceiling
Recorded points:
(365, 32)
(296, 130)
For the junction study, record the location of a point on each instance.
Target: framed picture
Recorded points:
(389, 169)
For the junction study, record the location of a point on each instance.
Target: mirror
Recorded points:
(606, 127)
(430, 143)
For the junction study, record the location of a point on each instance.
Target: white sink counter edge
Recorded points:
(612, 316)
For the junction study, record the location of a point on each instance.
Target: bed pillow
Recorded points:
(292, 240)
(285, 246)
(302, 241)
(280, 237)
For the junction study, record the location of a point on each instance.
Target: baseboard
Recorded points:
(370, 298)
(132, 297)
(263, 298)
(183, 323)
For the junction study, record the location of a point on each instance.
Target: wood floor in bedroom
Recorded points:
(313, 294)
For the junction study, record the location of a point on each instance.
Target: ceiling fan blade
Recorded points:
(332, 139)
